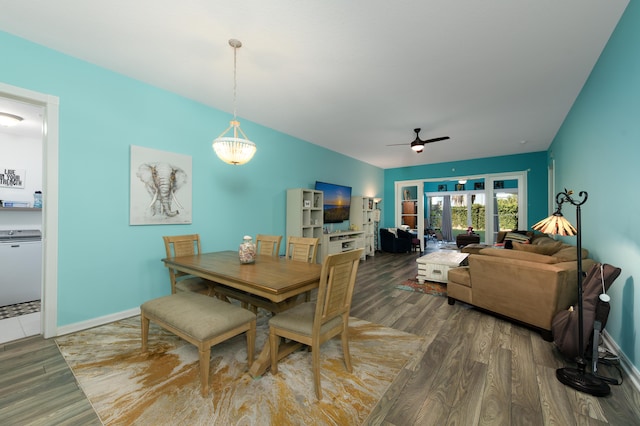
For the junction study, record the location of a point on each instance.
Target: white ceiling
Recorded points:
(352, 76)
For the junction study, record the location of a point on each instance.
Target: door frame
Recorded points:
(49, 303)
(489, 178)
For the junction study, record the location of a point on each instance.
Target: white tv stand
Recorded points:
(339, 242)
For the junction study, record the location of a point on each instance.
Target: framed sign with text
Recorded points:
(12, 178)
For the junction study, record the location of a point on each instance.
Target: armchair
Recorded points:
(400, 242)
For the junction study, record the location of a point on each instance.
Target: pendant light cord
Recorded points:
(235, 51)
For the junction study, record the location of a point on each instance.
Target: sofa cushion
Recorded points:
(543, 239)
(569, 253)
(474, 248)
(520, 255)
(546, 249)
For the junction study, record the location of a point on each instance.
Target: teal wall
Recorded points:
(534, 163)
(106, 266)
(598, 150)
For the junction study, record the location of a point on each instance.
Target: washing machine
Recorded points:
(20, 266)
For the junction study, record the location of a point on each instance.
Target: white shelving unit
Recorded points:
(339, 242)
(361, 215)
(304, 214)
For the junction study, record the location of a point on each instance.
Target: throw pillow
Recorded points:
(569, 253)
(546, 249)
(516, 238)
(542, 240)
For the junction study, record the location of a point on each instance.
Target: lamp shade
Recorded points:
(556, 224)
(235, 151)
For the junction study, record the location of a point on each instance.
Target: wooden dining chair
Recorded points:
(313, 323)
(268, 245)
(186, 245)
(303, 249)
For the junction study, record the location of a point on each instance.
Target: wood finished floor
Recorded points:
(474, 369)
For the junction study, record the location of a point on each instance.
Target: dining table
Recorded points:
(275, 278)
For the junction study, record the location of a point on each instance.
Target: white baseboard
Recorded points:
(630, 369)
(94, 322)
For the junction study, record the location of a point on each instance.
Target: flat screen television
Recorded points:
(337, 202)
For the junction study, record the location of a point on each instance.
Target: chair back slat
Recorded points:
(302, 249)
(180, 245)
(337, 281)
(268, 245)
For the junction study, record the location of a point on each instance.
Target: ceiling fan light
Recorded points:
(417, 146)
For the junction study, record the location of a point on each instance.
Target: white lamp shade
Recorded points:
(234, 151)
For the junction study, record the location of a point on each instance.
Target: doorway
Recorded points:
(49, 221)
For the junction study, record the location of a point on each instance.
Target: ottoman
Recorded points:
(435, 266)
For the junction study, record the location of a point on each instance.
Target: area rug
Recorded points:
(428, 287)
(162, 387)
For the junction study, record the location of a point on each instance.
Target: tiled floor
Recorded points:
(18, 327)
(19, 309)
(18, 321)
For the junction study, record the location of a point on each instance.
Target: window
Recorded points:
(488, 203)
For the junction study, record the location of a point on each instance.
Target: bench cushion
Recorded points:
(197, 315)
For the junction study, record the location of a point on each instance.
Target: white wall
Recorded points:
(25, 154)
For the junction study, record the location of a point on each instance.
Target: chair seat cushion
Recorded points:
(197, 315)
(299, 319)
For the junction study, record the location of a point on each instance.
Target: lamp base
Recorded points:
(583, 381)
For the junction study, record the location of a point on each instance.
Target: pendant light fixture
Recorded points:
(234, 149)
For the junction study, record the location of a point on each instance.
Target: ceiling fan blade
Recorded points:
(443, 138)
(420, 142)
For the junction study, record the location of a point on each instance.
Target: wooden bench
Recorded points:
(201, 320)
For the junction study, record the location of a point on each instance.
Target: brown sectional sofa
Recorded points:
(529, 283)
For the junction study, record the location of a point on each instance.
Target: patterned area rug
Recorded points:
(429, 287)
(162, 387)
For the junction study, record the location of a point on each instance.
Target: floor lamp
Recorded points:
(577, 378)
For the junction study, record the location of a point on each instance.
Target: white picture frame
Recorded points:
(160, 187)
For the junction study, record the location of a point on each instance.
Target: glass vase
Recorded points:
(247, 250)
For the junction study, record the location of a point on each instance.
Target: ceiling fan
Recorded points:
(418, 144)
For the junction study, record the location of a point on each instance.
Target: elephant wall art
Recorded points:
(162, 192)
